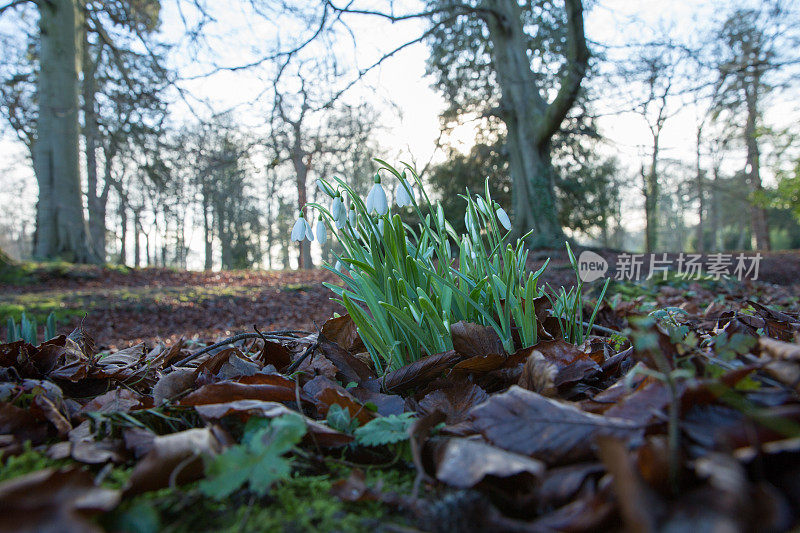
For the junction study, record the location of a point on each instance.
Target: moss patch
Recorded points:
(302, 503)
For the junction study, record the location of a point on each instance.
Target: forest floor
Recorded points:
(692, 417)
(123, 306)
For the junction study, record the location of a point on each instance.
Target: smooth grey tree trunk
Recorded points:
(96, 201)
(530, 120)
(758, 216)
(61, 230)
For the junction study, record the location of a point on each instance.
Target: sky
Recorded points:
(408, 106)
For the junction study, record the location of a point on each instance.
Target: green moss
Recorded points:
(302, 503)
(28, 461)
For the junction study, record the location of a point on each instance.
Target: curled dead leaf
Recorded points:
(175, 459)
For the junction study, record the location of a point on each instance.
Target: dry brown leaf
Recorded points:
(175, 459)
(464, 463)
(538, 375)
(555, 432)
(420, 371)
(53, 500)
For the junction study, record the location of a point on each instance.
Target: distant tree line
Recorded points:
(85, 87)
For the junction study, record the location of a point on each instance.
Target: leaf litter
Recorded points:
(691, 415)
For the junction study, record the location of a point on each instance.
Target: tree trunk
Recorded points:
(123, 239)
(700, 246)
(61, 227)
(651, 196)
(301, 165)
(714, 214)
(530, 121)
(758, 216)
(136, 241)
(208, 264)
(96, 201)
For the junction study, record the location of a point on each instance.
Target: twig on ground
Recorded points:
(274, 335)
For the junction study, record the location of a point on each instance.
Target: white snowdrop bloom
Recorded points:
(468, 221)
(322, 231)
(502, 216)
(301, 229)
(403, 198)
(352, 217)
(380, 226)
(338, 266)
(376, 199)
(338, 211)
(482, 205)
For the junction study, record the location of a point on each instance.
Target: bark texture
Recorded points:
(530, 120)
(61, 229)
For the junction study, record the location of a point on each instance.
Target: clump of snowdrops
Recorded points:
(402, 287)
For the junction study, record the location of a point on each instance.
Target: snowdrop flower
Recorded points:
(352, 218)
(502, 216)
(468, 221)
(322, 231)
(338, 266)
(403, 198)
(380, 226)
(482, 205)
(376, 200)
(301, 229)
(338, 211)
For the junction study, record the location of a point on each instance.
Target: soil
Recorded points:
(122, 307)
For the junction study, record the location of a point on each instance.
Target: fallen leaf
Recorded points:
(172, 384)
(343, 331)
(475, 340)
(53, 500)
(525, 422)
(175, 459)
(538, 375)
(419, 372)
(454, 402)
(267, 387)
(244, 409)
(464, 463)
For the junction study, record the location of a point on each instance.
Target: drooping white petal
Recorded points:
(299, 230)
(468, 222)
(376, 200)
(403, 198)
(309, 231)
(352, 217)
(322, 232)
(337, 208)
(502, 216)
(338, 266)
(380, 226)
(482, 205)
